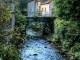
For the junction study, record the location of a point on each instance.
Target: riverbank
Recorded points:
(57, 46)
(65, 53)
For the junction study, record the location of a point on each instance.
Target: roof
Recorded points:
(42, 1)
(29, 1)
(45, 1)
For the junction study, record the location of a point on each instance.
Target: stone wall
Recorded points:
(49, 21)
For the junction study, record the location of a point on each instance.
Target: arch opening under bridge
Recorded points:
(47, 24)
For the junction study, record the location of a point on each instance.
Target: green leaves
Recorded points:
(20, 25)
(67, 9)
(75, 51)
(67, 26)
(5, 15)
(66, 44)
(9, 52)
(21, 20)
(64, 33)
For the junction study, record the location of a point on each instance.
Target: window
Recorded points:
(45, 9)
(37, 3)
(42, 9)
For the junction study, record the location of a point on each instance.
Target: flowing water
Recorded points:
(38, 49)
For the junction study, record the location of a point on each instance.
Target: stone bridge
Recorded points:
(49, 21)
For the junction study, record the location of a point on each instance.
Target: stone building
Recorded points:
(40, 8)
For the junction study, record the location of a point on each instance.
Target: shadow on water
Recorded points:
(38, 48)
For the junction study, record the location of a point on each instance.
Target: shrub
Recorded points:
(67, 9)
(64, 34)
(66, 29)
(20, 29)
(9, 52)
(67, 25)
(75, 51)
(66, 44)
(55, 38)
(21, 20)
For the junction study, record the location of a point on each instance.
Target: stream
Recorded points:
(38, 48)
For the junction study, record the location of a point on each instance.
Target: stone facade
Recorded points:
(31, 9)
(40, 8)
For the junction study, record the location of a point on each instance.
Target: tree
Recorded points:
(5, 16)
(7, 51)
(23, 5)
(67, 9)
(67, 27)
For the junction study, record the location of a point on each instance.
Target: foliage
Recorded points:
(16, 3)
(75, 51)
(20, 20)
(65, 33)
(37, 26)
(9, 52)
(56, 38)
(67, 9)
(23, 5)
(20, 25)
(66, 44)
(66, 29)
(5, 15)
(66, 26)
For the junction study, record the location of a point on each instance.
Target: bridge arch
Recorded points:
(48, 21)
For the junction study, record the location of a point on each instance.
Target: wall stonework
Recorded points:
(45, 8)
(31, 8)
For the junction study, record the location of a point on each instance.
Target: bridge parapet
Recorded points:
(40, 19)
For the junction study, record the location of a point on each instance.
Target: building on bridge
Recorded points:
(40, 8)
